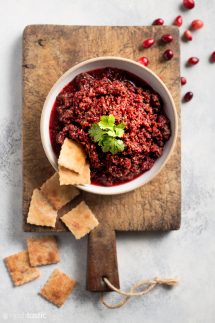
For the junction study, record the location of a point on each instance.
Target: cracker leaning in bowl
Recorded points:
(72, 165)
(72, 156)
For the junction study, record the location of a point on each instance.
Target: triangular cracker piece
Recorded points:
(40, 211)
(80, 220)
(19, 268)
(68, 177)
(72, 156)
(58, 195)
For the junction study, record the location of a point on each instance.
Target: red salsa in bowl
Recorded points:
(105, 92)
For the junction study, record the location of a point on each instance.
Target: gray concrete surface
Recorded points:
(188, 254)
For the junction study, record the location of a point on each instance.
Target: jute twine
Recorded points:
(147, 285)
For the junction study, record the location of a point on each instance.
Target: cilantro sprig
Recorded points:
(107, 134)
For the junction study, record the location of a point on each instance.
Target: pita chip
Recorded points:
(57, 288)
(40, 211)
(58, 195)
(20, 269)
(80, 220)
(43, 250)
(72, 156)
(68, 177)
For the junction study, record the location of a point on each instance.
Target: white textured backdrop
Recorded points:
(189, 253)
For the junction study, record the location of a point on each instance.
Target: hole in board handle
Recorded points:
(103, 282)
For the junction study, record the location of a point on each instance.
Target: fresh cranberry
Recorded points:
(168, 54)
(197, 24)
(158, 22)
(193, 60)
(183, 80)
(167, 38)
(148, 42)
(188, 35)
(189, 4)
(178, 21)
(143, 60)
(213, 57)
(188, 96)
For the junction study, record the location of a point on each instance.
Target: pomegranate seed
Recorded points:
(168, 54)
(213, 57)
(143, 60)
(183, 80)
(167, 38)
(178, 21)
(189, 4)
(193, 60)
(197, 24)
(158, 22)
(188, 96)
(188, 35)
(148, 42)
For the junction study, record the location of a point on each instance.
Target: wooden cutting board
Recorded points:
(48, 51)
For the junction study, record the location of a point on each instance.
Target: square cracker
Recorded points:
(57, 288)
(68, 177)
(40, 211)
(19, 268)
(58, 195)
(80, 220)
(43, 250)
(72, 156)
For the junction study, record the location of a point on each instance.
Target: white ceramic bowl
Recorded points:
(143, 73)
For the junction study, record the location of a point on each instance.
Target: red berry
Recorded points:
(188, 35)
(148, 42)
(193, 60)
(213, 57)
(167, 38)
(188, 96)
(158, 22)
(189, 4)
(197, 24)
(178, 21)
(143, 60)
(183, 80)
(168, 54)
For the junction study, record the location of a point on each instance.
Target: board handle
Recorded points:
(102, 259)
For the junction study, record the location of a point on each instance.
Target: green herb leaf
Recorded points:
(107, 122)
(96, 132)
(119, 132)
(119, 129)
(111, 133)
(105, 133)
(117, 146)
(120, 126)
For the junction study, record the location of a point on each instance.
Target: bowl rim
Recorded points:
(115, 58)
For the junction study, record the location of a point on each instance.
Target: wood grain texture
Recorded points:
(50, 50)
(102, 259)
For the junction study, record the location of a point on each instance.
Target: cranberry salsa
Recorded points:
(133, 103)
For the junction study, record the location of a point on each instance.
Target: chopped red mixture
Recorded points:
(132, 102)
